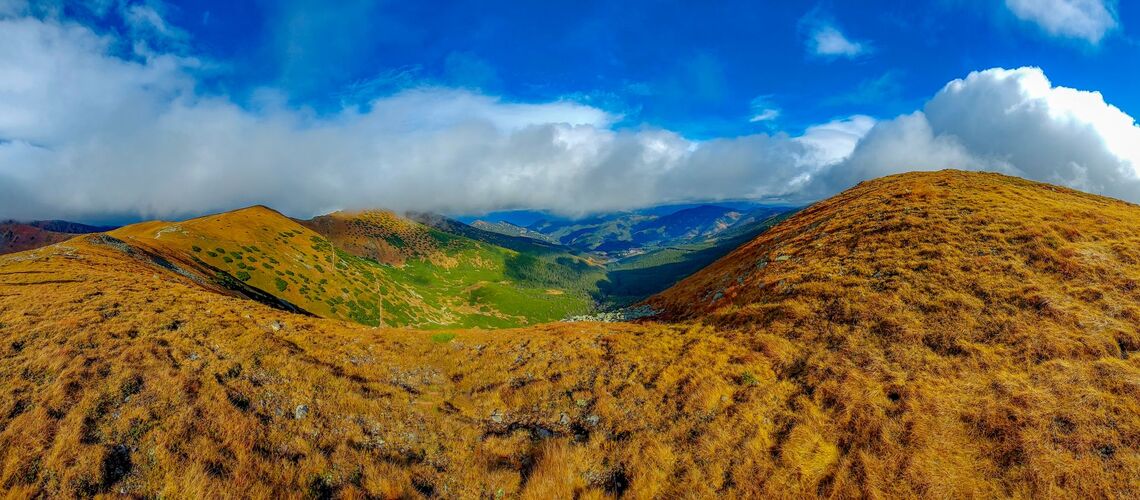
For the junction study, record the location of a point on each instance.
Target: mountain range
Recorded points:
(18, 236)
(937, 334)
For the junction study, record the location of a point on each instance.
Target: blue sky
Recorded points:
(148, 108)
(686, 66)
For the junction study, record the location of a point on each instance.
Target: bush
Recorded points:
(244, 276)
(282, 285)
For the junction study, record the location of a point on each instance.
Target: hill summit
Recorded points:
(944, 259)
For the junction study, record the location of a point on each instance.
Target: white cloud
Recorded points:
(85, 133)
(834, 141)
(763, 110)
(1011, 121)
(145, 21)
(764, 115)
(1088, 20)
(827, 41)
(136, 137)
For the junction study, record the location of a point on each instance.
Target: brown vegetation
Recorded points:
(18, 237)
(379, 235)
(936, 335)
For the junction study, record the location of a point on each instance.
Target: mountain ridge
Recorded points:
(944, 334)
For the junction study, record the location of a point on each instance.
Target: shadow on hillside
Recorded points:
(623, 287)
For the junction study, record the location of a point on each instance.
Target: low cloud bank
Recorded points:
(89, 131)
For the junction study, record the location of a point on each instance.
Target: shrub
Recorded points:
(244, 276)
(282, 285)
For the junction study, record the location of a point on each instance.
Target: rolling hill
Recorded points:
(372, 268)
(944, 334)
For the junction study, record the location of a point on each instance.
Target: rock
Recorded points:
(301, 411)
(496, 417)
(593, 420)
(582, 403)
(193, 356)
(782, 258)
(276, 326)
(564, 419)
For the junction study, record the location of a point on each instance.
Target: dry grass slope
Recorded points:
(954, 351)
(984, 321)
(379, 235)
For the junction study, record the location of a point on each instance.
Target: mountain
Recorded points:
(943, 334)
(20, 236)
(379, 235)
(370, 267)
(688, 224)
(600, 234)
(508, 229)
(625, 234)
(62, 226)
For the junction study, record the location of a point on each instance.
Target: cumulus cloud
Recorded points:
(87, 132)
(1088, 20)
(136, 137)
(1012, 121)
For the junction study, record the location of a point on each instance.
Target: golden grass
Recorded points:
(887, 356)
(379, 235)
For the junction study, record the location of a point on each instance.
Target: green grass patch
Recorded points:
(442, 338)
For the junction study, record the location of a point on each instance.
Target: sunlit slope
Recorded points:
(408, 275)
(125, 380)
(123, 375)
(492, 279)
(945, 259)
(985, 320)
(379, 235)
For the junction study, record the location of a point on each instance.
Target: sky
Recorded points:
(114, 110)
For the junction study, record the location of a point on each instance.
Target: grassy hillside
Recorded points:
(395, 272)
(153, 386)
(948, 335)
